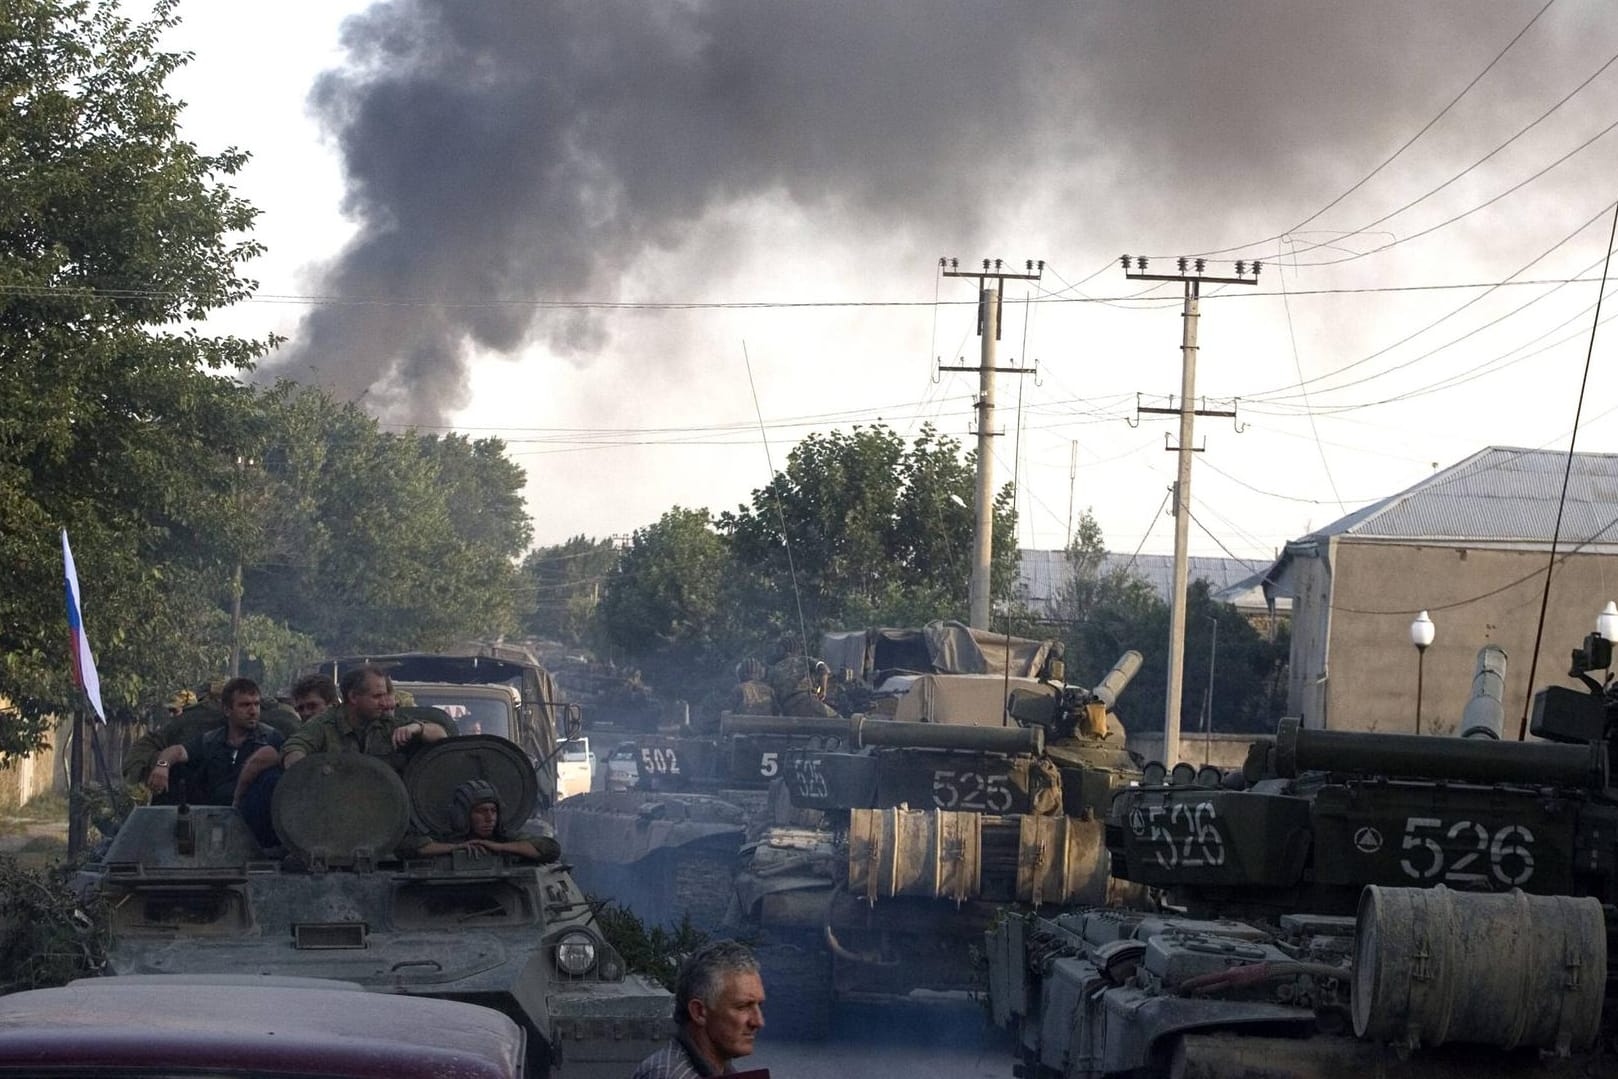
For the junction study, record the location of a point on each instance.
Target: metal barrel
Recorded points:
(1112, 686)
(888, 732)
(809, 727)
(1485, 713)
(1476, 760)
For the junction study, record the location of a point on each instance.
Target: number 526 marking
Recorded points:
(1467, 849)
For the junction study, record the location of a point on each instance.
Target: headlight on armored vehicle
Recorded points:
(575, 954)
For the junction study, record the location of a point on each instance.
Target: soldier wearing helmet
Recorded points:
(475, 817)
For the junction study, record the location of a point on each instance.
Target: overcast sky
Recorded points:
(567, 224)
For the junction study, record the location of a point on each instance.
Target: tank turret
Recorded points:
(191, 893)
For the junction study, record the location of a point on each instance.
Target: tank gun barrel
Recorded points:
(859, 732)
(1110, 688)
(1477, 760)
(1485, 713)
(810, 727)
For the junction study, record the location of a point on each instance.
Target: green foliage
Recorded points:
(880, 533)
(655, 953)
(112, 228)
(1109, 612)
(47, 936)
(567, 581)
(133, 431)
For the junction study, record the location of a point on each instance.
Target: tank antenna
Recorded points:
(780, 513)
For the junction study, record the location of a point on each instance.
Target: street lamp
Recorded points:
(1421, 635)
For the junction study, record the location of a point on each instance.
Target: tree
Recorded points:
(1109, 611)
(879, 532)
(113, 423)
(567, 580)
(373, 541)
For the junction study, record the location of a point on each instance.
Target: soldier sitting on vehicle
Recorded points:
(800, 683)
(475, 815)
(195, 718)
(366, 723)
(312, 695)
(752, 695)
(213, 759)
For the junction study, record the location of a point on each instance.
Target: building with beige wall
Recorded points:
(1471, 545)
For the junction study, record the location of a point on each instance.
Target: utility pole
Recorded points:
(1191, 273)
(1072, 482)
(989, 305)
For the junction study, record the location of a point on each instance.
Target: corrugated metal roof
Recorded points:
(1232, 580)
(1500, 495)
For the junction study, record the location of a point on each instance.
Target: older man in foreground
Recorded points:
(718, 1011)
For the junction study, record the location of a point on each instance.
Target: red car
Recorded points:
(261, 1027)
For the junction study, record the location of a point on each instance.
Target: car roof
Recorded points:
(278, 1028)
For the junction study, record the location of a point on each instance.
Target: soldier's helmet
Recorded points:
(750, 670)
(472, 793)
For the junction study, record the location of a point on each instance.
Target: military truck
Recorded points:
(667, 849)
(491, 689)
(902, 848)
(1346, 903)
(191, 894)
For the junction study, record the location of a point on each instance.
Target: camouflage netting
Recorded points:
(47, 936)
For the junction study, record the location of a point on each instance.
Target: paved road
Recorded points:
(893, 1042)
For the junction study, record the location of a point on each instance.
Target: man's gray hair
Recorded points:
(703, 974)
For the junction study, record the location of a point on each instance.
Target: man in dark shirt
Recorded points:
(213, 759)
(718, 1012)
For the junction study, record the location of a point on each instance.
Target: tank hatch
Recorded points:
(433, 774)
(341, 809)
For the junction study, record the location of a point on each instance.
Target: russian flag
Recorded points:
(84, 664)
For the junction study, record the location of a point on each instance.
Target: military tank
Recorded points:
(190, 893)
(903, 847)
(667, 848)
(1347, 902)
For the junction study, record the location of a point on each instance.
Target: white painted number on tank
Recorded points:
(983, 792)
(659, 760)
(1460, 858)
(769, 764)
(808, 780)
(1185, 835)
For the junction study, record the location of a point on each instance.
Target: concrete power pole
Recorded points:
(1193, 280)
(989, 305)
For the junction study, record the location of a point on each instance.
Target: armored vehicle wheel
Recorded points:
(796, 969)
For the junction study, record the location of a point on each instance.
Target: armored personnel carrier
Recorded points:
(1348, 903)
(190, 893)
(902, 848)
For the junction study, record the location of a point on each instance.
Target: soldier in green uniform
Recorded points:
(475, 811)
(752, 695)
(800, 683)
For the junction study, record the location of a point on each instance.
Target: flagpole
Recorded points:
(75, 788)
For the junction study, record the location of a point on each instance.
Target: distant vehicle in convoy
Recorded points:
(575, 768)
(250, 1026)
(190, 893)
(1347, 904)
(623, 767)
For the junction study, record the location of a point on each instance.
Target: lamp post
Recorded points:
(1421, 635)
